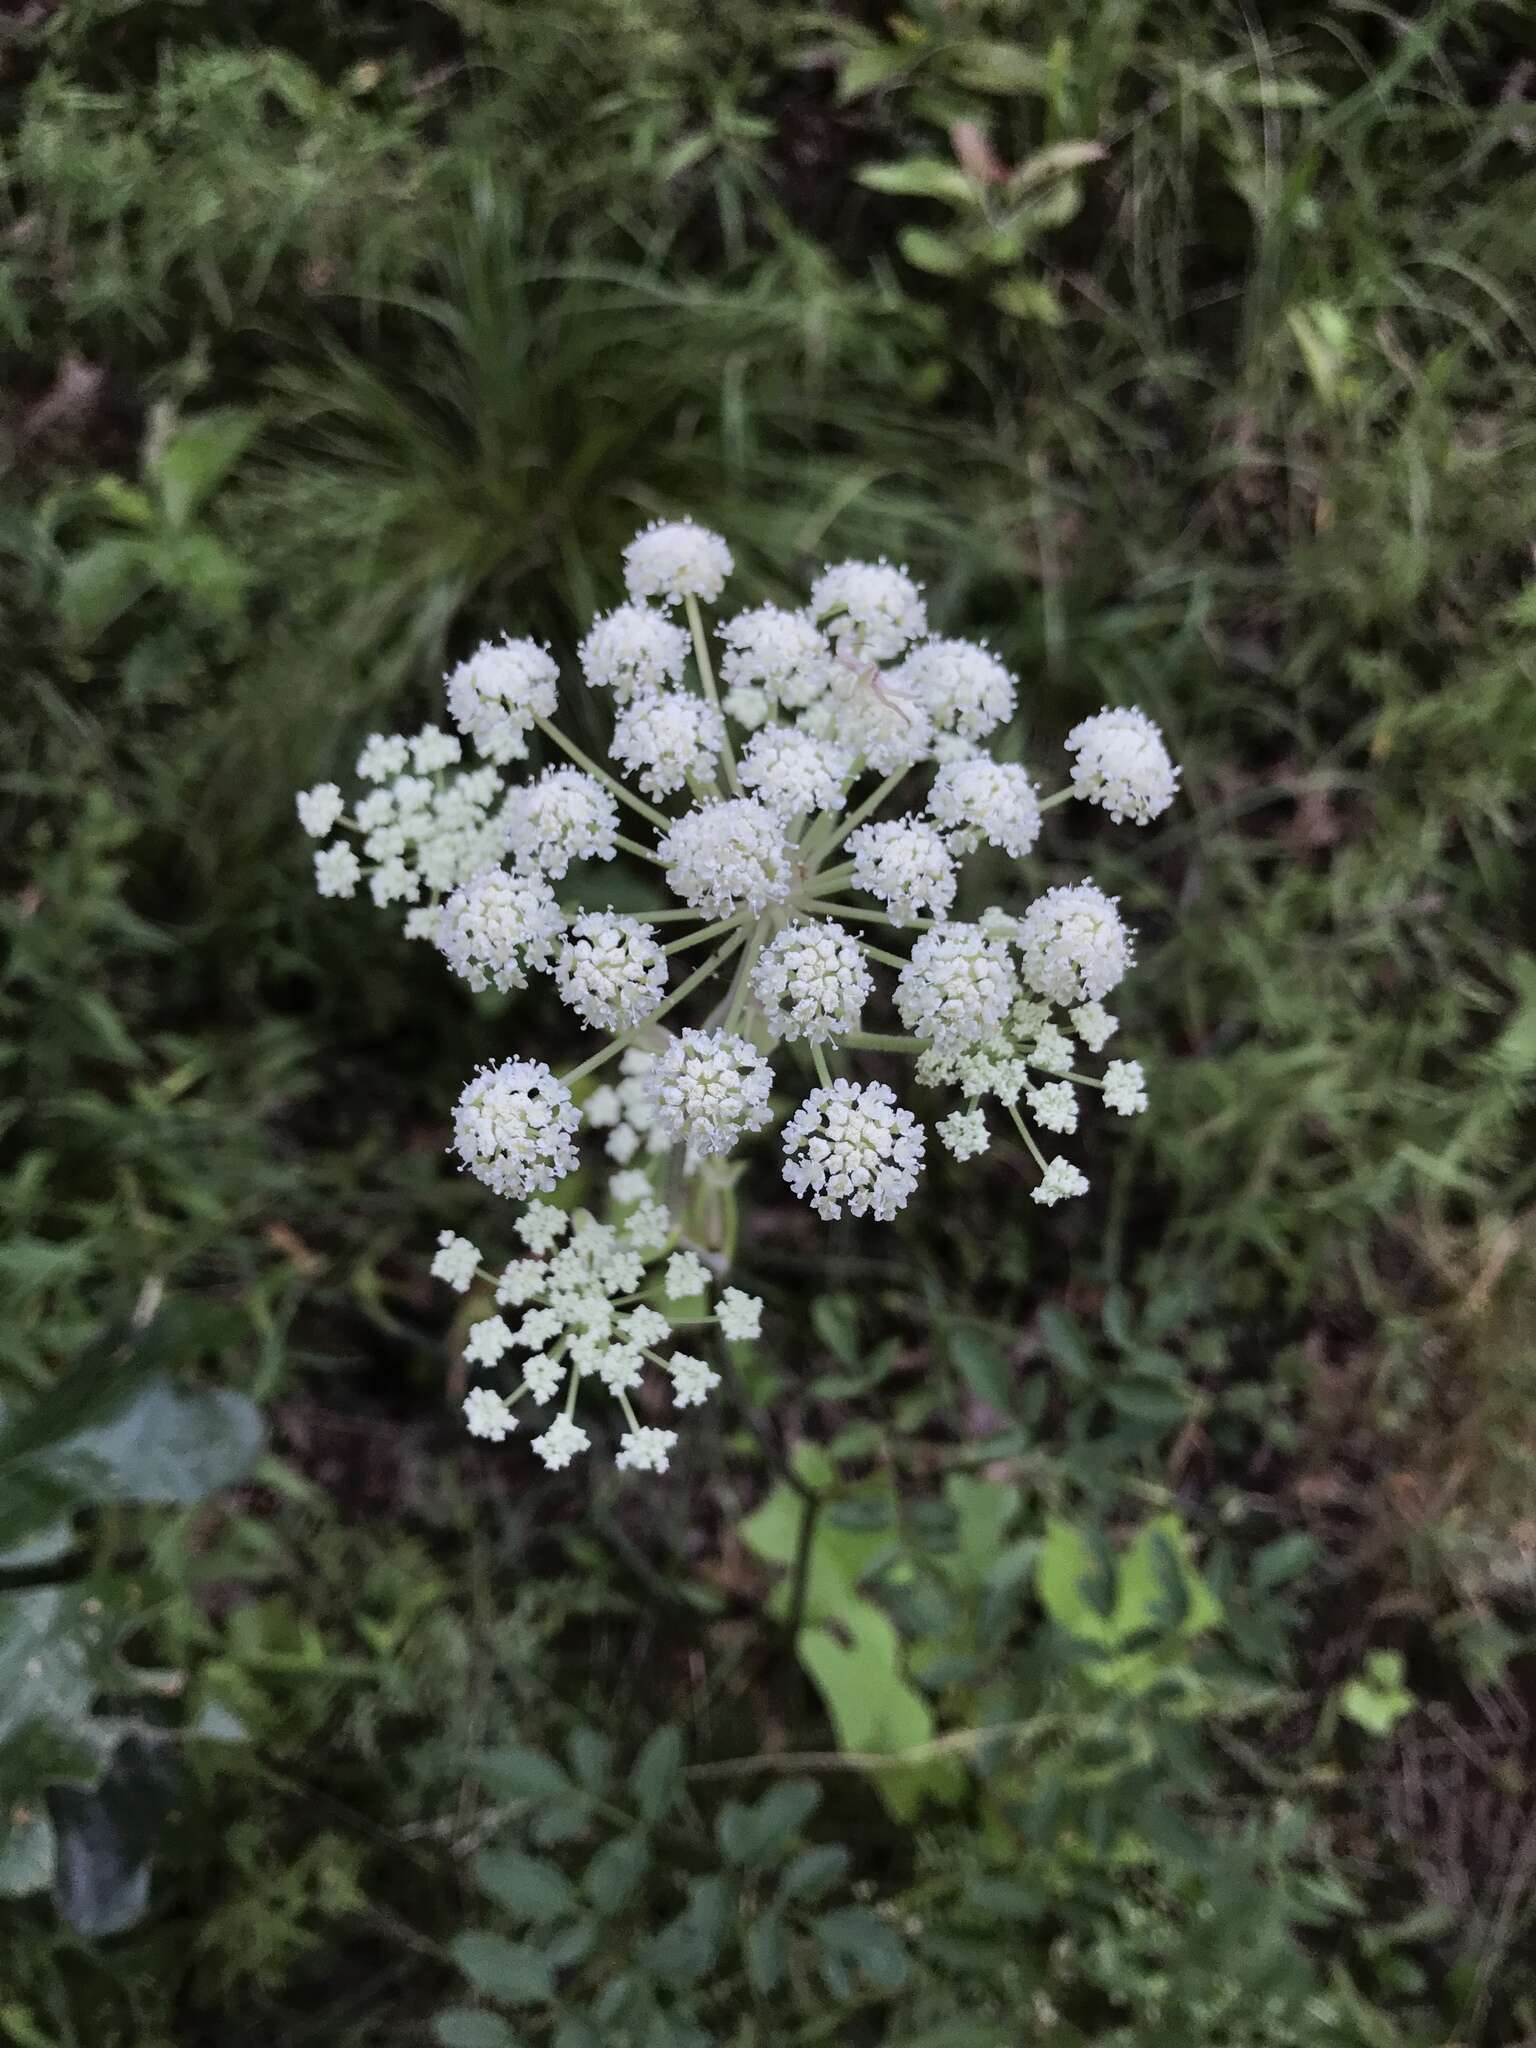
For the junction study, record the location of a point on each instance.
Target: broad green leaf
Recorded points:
(515, 1772)
(99, 585)
(613, 1876)
(509, 1970)
(27, 1853)
(117, 1433)
(856, 1936)
(1159, 1589)
(687, 1948)
(984, 1509)
(524, 1886)
(983, 1365)
(1378, 1699)
(1000, 67)
(1054, 162)
(591, 1757)
(52, 1661)
(939, 255)
(461, 2026)
(812, 1873)
(921, 177)
(1075, 1582)
(767, 1953)
(195, 458)
(657, 1773)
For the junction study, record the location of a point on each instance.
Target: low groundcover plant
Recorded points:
(835, 769)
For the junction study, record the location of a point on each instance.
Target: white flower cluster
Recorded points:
(598, 1302)
(826, 775)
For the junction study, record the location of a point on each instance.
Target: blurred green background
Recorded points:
(1171, 1648)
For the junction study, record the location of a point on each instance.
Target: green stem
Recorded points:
(1028, 1136)
(856, 817)
(738, 995)
(699, 938)
(662, 916)
(819, 1062)
(881, 1041)
(610, 782)
(685, 988)
(640, 852)
(820, 908)
(879, 953)
(833, 878)
(1062, 796)
(707, 677)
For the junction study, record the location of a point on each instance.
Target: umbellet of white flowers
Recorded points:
(807, 786)
(586, 1301)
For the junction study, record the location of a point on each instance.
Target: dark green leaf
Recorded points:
(767, 1953)
(654, 1779)
(615, 1871)
(518, 1773)
(858, 1937)
(508, 1970)
(27, 1854)
(523, 1886)
(812, 1873)
(462, 2027)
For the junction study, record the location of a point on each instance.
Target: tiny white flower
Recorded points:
(740, 1316)
(964, 688)
(749, 704)
(729, 856)
(981, 800)
(1125, 1087)
(622, 1144)
(1123, 765)
(612, 972)
(539, 1327)
(1054, 1107)
(633, 647)
(565, 816)
(710, 1088)
(512, 1127)
(393, 881)
(541, 1226)
(1052, 1050)
(792, 772)
(520, 1281)
(692, 1380)
(1094, 1025)
(646, 1327)
(337, 870)
(666, 739)
(648, 1225)
(543, 1376)
(965, 1133)
(673, 559)
(319, 808)
(561, 1442)
(905, 863)
(487, 1341)
(645, 1450)
(1073, 944)
(633, 1186)
(853, 1146)
(620, 1368)
(421, 923)
(782, 654)
(457, 1261)
(487, 1415)
(869, 608)
(687, 1275)
(433, 749)
(497, 926)
(497, 693)
(384, 754)
(1060, 1182)
(813, 982)
(957, 988)
(604, 1107)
